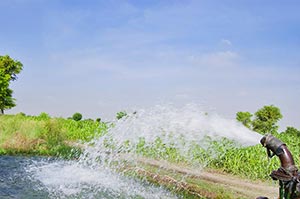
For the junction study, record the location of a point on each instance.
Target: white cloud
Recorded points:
(226, 42)
(216, 59)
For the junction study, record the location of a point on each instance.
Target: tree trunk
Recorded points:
(2, 112)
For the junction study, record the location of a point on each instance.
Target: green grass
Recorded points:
(43, 135)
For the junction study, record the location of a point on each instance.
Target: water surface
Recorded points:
(14, 180)
(38, 178)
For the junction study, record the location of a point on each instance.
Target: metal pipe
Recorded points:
(287, 174)
(280, 149)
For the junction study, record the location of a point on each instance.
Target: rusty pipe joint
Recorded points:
(272, 144)
(276, 147)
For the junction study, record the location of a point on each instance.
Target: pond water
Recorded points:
(14, 181)
(37, 178)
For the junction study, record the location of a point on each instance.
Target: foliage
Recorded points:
(121, 114)
(43, 116)
(265, 119)
(292, 131)
(245, 118)
(9, 69)
(83, 130)
(6, 99)
(77, 116)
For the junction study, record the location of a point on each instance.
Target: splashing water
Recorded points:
(180, 128)
(68, 179)
(189, 121)
(160, 130)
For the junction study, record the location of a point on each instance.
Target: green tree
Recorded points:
(265, 119)
(244, 118)
(9, 69)
(292, 131)
(77, 116)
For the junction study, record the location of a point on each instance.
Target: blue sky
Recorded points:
(101, 57)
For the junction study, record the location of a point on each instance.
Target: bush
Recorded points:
(77, 116)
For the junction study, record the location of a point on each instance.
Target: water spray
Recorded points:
(287, 175)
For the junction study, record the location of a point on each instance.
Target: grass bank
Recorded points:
(43, 135)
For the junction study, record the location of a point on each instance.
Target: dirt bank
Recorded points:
(189, 179)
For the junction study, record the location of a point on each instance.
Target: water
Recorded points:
(36, 178)
(15, 181)
(176, 127)
(190, 121)
(95, 174)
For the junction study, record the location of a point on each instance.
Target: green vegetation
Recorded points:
(9, 69)
(43, 135)
(264, 121)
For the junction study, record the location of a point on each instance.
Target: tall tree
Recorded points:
(266, 118)
(9, 69)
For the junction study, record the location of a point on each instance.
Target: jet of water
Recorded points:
(178, 127)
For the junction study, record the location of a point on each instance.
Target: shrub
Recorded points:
(77, 116)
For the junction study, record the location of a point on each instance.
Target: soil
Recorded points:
(242, 187)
